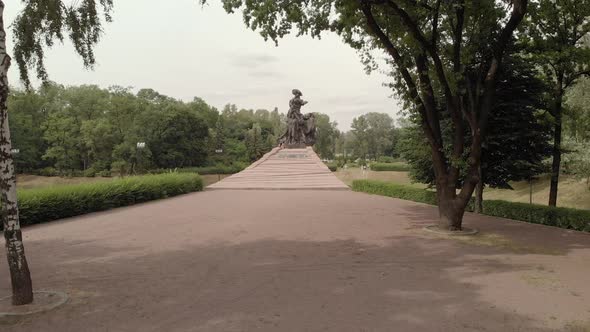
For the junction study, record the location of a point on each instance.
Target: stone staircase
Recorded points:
(284, 169)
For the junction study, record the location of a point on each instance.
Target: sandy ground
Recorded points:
(302, 261)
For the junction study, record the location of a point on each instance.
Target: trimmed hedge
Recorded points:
(395, 190)
(45, 204)
(395, 167)
(538, 214)
(217, 169)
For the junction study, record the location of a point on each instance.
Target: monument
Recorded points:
(301, 130)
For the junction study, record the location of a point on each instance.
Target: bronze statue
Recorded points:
(301, 130)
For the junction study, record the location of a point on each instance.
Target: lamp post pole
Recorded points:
(140, 146)
(219, 151)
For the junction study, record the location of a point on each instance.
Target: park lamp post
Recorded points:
(140, 146)
(219, 151)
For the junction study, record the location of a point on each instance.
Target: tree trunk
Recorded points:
(556, 150)
(22, 289)
(478, 208)
(450, 212)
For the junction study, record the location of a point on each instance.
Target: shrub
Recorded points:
(395, 190)
(51, 203)
(332, 166)
(48, 171)
(105, 173)
(539, 214)
(90, 172)
(217, 169)
(396, 167)
(386, 159)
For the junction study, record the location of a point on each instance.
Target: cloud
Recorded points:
(251, 61)
(264, 73)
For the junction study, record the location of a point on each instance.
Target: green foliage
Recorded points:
(518, 135)
(205, 170)
(332, 166)
(327, 134)
(538, 214)
(87, 130)
(386, 159)
(51, 203)
(395, 190)
(372, 135)
(395, 167)
(41, 23)
(577, 113)
(577, 160)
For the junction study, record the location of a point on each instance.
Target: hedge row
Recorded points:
(45, 204)
(217, 169)
(395, 167)
(395, 190)
(538, 214)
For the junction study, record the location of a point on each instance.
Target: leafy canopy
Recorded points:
(42, 22)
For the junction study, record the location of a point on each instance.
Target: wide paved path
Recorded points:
(262, 260)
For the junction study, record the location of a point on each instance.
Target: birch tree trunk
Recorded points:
(22, 289)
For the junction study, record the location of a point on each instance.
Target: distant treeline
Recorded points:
(87, 130)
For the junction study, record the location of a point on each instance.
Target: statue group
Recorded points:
(301, 130)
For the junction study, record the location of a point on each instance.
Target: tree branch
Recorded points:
(575, 76)
(428, 47)
(433, 134)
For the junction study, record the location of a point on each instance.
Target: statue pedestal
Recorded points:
(295, 146)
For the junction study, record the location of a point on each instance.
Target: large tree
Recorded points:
(517, 141)
(447, 55)
(556, 30)
(38, 26)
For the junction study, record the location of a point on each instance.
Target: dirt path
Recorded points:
(302, 261)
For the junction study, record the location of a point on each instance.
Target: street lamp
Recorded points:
(15, 151)
(140, 146)
(219, 151)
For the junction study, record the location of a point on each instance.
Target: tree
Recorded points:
(327, 132)
(440, 49)
(37, 26)
(518, 137)
(556, 30)
(378, 136)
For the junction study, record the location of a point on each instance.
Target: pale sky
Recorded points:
(184, 50)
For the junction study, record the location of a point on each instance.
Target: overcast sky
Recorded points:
(184, 50)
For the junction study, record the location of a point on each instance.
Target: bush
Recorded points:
(90, 172)
(332, 166)
(386, 159)
(51, 203)
(105, 173)
(48, 171)
(395, 190)
(217, 169)
(538, 214)
(396, 167)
